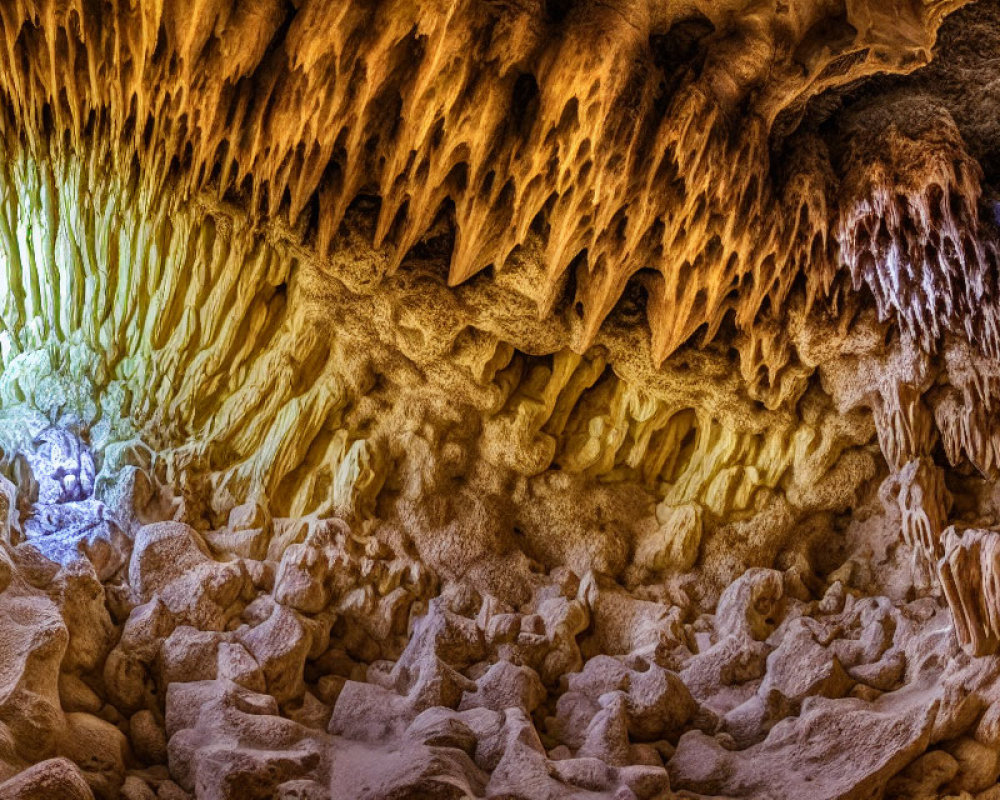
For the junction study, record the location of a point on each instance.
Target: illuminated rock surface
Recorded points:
(553, 399)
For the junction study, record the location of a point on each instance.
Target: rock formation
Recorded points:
(499, 398)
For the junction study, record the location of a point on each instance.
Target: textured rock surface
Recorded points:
(551, 399)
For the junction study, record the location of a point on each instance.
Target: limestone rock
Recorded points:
(56, 777)
(863, 751)
(499, 399)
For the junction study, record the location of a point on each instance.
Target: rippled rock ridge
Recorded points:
(522, 399)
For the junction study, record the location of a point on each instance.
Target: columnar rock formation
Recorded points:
(543, 399)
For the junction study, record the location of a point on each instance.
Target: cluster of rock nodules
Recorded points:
(273, 658)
